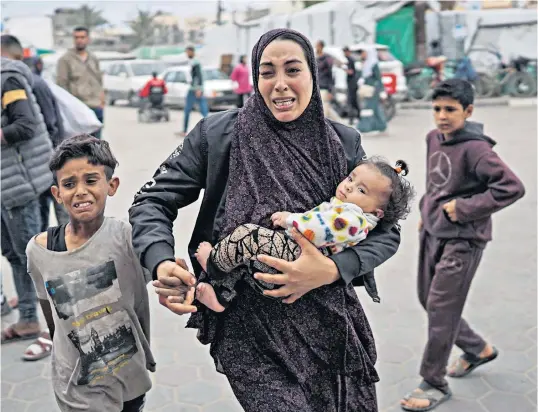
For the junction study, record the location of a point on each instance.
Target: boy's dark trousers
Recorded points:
(135, 405)
(445, 271)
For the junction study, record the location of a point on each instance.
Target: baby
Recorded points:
(373, 191)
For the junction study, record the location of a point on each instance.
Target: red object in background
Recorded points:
(152, 83)
(389, 81)
(27, 52)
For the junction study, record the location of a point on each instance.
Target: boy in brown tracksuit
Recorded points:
(466, 183)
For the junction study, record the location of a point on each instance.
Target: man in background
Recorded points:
(326, 81)
(25, 175)
(352, 87)
(196, 91)
(79, 73)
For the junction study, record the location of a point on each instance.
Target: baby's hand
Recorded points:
(279, 219)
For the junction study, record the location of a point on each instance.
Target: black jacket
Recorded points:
(50, 110)
(18, 119)
(201, 162)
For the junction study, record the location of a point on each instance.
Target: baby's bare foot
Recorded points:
(202, 254)
(206, 295)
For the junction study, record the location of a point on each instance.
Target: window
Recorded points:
(113, 70)
(214, 74)
(106, 67)
(385, 56)
(170, 77)
(181, 77)
(121, 69)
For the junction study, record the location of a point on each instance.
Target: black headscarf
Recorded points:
(277, 166)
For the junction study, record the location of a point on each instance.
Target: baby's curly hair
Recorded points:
(399, 203)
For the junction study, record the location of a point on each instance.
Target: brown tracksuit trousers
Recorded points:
(445, 272)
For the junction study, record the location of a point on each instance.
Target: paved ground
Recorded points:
(502, 304)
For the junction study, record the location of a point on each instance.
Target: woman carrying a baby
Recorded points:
(284, 188)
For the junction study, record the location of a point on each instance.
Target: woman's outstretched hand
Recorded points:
(310, 271)
(175, 286)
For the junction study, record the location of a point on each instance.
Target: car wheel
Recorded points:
(133, 100)
(110, 99)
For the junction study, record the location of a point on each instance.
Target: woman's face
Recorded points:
(285, 81)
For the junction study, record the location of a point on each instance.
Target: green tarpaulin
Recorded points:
(397, 31)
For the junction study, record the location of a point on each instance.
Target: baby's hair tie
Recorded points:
(398, 170)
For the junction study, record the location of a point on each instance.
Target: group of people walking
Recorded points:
(369, 77)
(294, 216)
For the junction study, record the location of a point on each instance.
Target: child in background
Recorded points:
(466, 183)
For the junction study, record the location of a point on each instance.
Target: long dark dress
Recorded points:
(317, 354)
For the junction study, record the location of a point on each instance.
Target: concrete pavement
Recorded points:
(502, 303)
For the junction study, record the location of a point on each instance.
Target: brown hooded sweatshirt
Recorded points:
(467, 169)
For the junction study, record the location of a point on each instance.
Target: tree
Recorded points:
(90, 17)
(420, 30)
(143, 27)
(310, 3)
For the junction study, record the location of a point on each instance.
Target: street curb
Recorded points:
(523, 102)
(478, 103)
(531, 102)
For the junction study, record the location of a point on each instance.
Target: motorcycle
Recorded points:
(389, 105)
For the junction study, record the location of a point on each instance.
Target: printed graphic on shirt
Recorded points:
(101, 330)
(105, 346)
(440, 171)
(77, 292)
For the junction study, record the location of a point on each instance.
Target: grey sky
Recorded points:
(117, 12)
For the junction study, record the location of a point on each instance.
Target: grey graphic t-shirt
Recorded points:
(101, 354)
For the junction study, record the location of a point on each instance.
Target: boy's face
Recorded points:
(450, 115)
(365, 187)
(83, 189)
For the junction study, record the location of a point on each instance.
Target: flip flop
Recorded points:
(41, 348)
(459, 371)
(11, 335)
(427, 392)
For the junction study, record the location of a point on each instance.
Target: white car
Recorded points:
(387, 64)
(218, 87)
(123, 80)
(50, 61)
